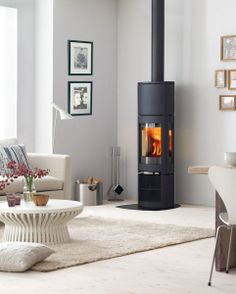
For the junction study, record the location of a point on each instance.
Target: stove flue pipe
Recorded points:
(158, 40)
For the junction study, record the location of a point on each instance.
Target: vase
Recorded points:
(29, 189)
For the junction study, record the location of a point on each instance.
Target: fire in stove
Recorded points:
(152, 141)
(170, 142)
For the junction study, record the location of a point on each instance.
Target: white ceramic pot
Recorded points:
(230, 158)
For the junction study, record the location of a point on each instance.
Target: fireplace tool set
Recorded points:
(115, 190)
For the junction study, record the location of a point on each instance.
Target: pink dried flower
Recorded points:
(18, 170)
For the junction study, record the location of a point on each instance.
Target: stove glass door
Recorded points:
(151, 142)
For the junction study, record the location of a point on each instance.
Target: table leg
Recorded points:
(222, 248)
(47, 228)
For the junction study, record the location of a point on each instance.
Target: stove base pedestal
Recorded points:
(156, 192)
(136, 207)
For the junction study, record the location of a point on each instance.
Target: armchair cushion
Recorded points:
(12, 152)
(48, 183)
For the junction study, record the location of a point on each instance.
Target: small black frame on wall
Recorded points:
(80, 98)
(80, 57)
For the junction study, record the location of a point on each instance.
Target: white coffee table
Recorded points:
(42, 224)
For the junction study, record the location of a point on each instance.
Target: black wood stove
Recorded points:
(156, 126)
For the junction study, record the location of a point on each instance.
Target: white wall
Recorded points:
(121, 31)
(87, 138)
(25, 106)
(203, 132)
(43, 75)
(193, 30)
(134, 65)
(8, 78)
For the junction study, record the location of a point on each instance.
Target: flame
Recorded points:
(151, 142)
(154, 135)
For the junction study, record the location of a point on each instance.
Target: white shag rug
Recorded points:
(96, 238)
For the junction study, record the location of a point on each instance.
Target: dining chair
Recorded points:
(224, 181)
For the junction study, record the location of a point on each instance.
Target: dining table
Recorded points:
(223, 242)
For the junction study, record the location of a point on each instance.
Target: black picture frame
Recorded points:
(80, 97)
(80, 57)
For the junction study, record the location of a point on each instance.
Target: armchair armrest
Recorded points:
(59, 166)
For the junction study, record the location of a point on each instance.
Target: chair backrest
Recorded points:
(224, 181)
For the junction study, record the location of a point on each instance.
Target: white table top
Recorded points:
(53, 205)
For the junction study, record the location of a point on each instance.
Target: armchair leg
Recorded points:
(214, 254)
(229, 250)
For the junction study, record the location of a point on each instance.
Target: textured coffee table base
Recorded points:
(47, 228)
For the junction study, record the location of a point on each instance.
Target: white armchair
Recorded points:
(57, 184)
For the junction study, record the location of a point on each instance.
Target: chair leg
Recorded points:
(214, 254)
(229, 250)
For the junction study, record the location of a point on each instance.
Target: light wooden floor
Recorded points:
(177, 269)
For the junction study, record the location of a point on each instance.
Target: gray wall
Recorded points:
(26, 65)
(87, 138)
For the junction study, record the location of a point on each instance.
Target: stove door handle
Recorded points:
(146, 173)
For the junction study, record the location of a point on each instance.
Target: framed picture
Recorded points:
(80, 57)
(232, 79)
(80, 98)
(220, 78)
(227, 102)
(228, 48)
